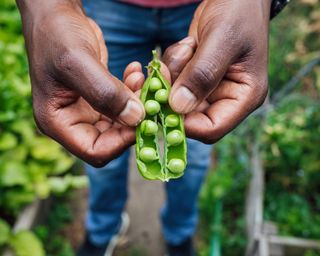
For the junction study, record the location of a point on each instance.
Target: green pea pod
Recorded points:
(170, 162)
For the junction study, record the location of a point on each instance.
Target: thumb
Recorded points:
(105, 93)
(203, 72)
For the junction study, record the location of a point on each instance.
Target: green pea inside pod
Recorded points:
(148, 154)
(174, 138)
(172, 120)
(176, 165)
(152, 107)
(149, 127)
(155, 84)
(162, 96)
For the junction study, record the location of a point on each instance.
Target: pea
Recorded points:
(155, 84)
(162, 96)
(148, 154)
(174, 137)
(152, 107)
(172, 120)
(154, 162)
(149, 127)
(176, 165)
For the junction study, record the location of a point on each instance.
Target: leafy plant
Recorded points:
(55, 243)
(22, 243)
(227, 182)
(29, 162)
(289, 138)
(25, 243)
(291, 152)
(31, 165)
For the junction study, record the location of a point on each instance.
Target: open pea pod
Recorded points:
(153, 161)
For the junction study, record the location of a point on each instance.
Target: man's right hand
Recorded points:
(76, 101)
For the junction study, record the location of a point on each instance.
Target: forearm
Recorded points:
(36, 15)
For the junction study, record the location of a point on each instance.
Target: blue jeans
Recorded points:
(131, 33)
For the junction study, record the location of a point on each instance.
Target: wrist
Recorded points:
(265, 7)
(35, 8)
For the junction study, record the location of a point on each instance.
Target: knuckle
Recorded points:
(261, 93)
(210, 139)
(213, 137)
(106, 98)
(98, 164)
(95, 162)
(209, 136)
(99, 159)
(168, 54)
(40, 120)
(204, 75)
(67, 60)
(44, 118)
(177, 56)
(40, 125)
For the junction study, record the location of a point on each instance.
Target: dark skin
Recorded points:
(227, 74)
(221, 68)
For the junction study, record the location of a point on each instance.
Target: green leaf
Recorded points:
(5, 232)
(42, 189)
(37, 170)
(7, 141)
(17, 197)
(13, 174)
(17, 154)
(79, 181)
(62, 164)
(25, 243)
(7, 116)
(24, 128)
(58, 185)
(42, 231)
(45, 149)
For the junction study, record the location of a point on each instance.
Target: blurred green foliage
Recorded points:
(227, 182)
(289, 136)
(291, 155)
(294, 41)
(29, 162)
(31, 165)
(23, 243)
(51, 234)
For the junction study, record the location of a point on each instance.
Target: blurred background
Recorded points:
(261, 196)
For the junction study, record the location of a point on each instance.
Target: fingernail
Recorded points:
(188, 40)
(183, 100)
(132, 114)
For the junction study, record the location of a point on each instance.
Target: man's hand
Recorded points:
(220, 71)
(76, 101)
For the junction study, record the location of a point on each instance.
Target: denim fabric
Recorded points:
(131, 32)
